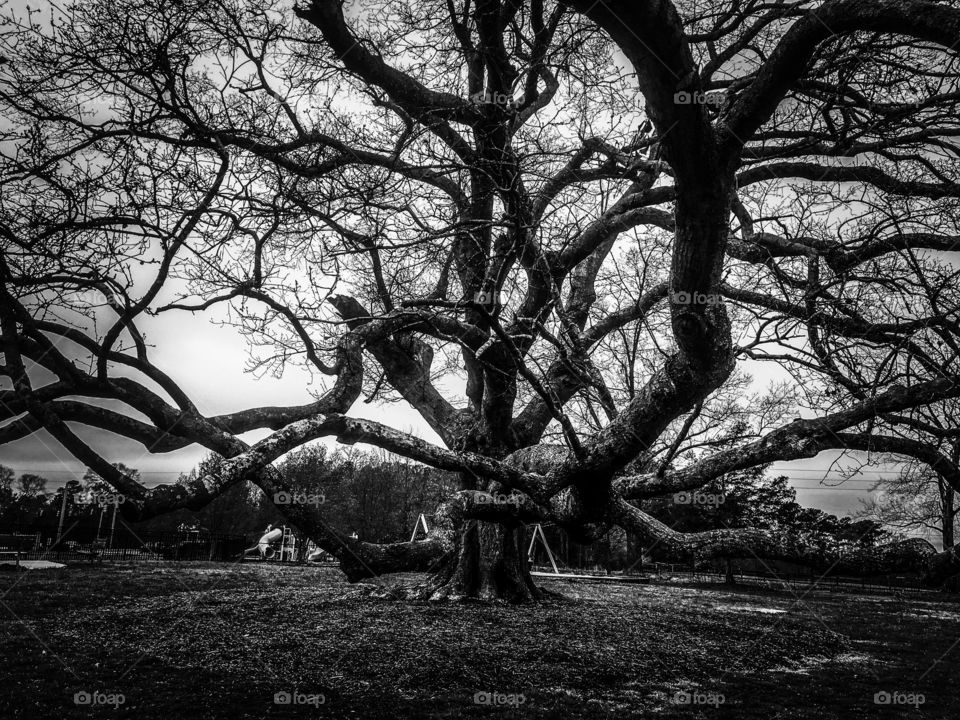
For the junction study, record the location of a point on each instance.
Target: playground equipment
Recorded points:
(277, 543)
(538, 532)
(318, 555)
(265, 544)
(421, 522)
(288, 545)
(574, 577)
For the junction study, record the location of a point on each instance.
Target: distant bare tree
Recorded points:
(924, 493)
(915, 500)
(31, 485)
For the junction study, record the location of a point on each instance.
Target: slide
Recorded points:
(265, 544)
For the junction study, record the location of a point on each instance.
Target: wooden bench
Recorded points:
(16, 545)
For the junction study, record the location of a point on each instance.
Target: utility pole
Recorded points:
(113, 523)
(63, 512)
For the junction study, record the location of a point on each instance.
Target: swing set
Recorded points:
(421, 524)
(575, 577)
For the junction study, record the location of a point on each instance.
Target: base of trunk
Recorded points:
(489, 565)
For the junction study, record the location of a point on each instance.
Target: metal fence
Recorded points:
(909, 585)
(126, 544)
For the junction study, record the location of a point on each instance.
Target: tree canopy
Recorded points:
(563, 232)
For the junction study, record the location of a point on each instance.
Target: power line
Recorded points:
(825, 471)
(818, 489)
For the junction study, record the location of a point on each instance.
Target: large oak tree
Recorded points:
(554, 229)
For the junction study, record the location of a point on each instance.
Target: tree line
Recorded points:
(371, 494)
(381, 498)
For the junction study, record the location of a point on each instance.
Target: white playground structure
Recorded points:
(276, 543)
(279, 543)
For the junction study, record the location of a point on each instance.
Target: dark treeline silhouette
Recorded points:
(374, 495)
(741, 499)
(380, 498)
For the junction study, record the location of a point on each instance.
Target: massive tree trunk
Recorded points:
(486, 561)
(490, 564)
(489, 560)
(476, 550)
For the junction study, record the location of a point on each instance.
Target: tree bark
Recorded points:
(490, 564)
(949, 513)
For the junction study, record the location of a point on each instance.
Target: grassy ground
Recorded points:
(217, 641)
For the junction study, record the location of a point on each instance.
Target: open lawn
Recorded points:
(220, 641)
